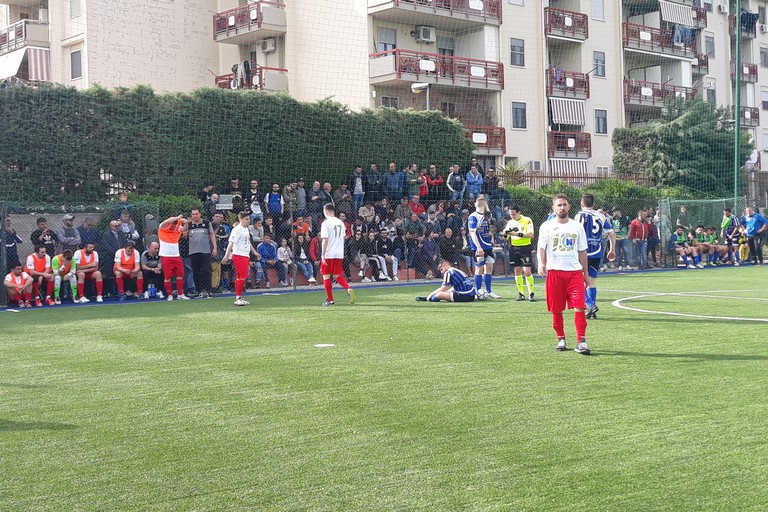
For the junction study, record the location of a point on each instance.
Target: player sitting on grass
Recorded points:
(457, 286)
(682, 246)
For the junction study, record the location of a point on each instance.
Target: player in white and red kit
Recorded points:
(87, 262)
(562, 253)
(128, 266)
(240, 249)
(39, 269)
(169, 232)
(332, 233)
(18, 286)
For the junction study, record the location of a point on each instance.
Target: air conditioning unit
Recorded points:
(763, 28)
(268, 45)
(425, 35)
(722, 9)
(535, 165)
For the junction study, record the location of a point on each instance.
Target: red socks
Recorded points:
(580, 321)
(557, 324)
(50, 287)
(180, 285)
(328, 288)
(169, 288)
(239, 287)
(139, 285)
(81, 289)
(342, 282)
(120, 285)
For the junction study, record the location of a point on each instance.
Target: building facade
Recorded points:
(538, 84)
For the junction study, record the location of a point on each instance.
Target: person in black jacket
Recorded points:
(357, 184)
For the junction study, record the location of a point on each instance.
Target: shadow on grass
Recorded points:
(700, 357)
(21, 426)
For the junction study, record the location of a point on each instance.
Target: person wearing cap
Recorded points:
(68, 235)
(128, 266)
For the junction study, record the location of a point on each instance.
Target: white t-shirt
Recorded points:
(83, 259)
(18, 281)
(240, 237)
(334, 230)
(562, 241)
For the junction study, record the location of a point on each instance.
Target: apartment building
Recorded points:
(541, 84)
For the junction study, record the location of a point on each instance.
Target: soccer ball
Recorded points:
(481, 295)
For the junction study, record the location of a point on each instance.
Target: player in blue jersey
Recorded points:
(595, 224)
(481, 243)
(457, 286)
(755, 225)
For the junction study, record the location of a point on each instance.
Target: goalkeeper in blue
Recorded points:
(456, 287)
(595, 224)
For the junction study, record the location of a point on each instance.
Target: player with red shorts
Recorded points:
(332, 233)
(562, 251)
(169, 232)
(18, 286)
(240, 248)
(87, 264)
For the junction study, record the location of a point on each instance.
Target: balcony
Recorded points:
(748, 72)
(568, 24)
(410, 66)
(748, 27)
(249, 23)
(750, 117)
(638, 92)
(700, 64)
(488, 140)
(567, 84)
(699, 17)
(569, 145)
(453, 14)
(261, 78)
(24, 33)
(656, 40)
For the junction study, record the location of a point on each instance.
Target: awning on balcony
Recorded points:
(567, 111)
(676, 13)
(11, 62)
(39, 60)
(568, 167)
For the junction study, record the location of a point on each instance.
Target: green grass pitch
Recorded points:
(203, 406)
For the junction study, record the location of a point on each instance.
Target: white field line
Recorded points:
(618, 304)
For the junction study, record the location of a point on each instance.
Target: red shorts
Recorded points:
(241, 264)
(89, 275)
(565, 288)
(172, 266)
(332, 267)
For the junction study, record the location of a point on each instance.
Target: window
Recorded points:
(446, 45)
(598, 10)
(709, 46)
(761, 14)
(711, 96)
(76, 64)
(517, 49)
(708, 5)
(601, 121)
(390, 101)
(764, 56)
(448, 108)
(519, 120)
(387, 39)
(764, 98)
(599, 63)
(74, 8)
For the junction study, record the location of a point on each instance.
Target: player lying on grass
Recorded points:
(457, 286)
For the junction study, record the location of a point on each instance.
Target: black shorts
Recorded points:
(520, 256)
(460, 297)
(594, 263)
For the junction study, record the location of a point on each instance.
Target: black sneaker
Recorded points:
(520, 297)
(421, 299)
(561, 345)
(531, 298)
(592, 312)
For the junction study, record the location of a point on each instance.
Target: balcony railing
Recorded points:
(750, 117)
(559, 22)
(488, 139)
(700, 17)
(23, 33)
(438, 69)
(701, 64)
(260, 78)
(567, 84)
(248, 18)
(640, 37)
(488, 9)
(748, 72)
(569, 145)
(748, 31)
(638, 92)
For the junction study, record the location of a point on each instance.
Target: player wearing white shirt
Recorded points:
(562, 251)
(332, 233)
(240, 248)
(18, 286)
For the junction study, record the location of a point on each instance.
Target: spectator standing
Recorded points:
(315, 203)
(112, 240)
(500, 199)
(412, 180)
(253, 200)
(477, 164)
(122, 205)
(332, 255)
(562, 254)
(754, 225)
(169, 232)
(274, 203)
(456, 184)
(474, 183)
(44, 236)
(342, 198)
(392, 183)
(221, 234)
(236, 191)
(189, 277)
(88, 232)
(210, 207)
(202, 248)
(621, 229)
(204, 194)
(683, 219)
(653, 239)
(435, 183)
(638, 234)
(373, 184)
(490, 182)
(152, 270)
(291, 198)
(301, 195)
(11, 240)
(68, 235)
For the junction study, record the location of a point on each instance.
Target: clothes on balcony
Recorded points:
(241, 74)
(682, 35)
(749, 20)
